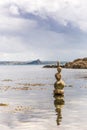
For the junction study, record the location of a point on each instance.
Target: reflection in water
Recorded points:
(59, 103)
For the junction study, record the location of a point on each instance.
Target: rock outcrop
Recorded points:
(77, 64)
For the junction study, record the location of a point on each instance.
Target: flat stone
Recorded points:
(58, 92)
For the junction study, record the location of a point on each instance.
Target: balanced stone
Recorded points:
(59, 69)
(58, 76)
(59, 84)
(58, 92)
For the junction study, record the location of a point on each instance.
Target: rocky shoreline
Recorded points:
(80, 63)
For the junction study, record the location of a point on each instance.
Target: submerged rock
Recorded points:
(3, 105)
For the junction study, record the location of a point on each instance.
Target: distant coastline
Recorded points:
(34, 62)
(80, 63)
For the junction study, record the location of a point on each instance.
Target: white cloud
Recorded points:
(15, 24)
(14, 10)
(11, 44)
(63, 11)
(9, 20)
(13, 48)
(21, 38)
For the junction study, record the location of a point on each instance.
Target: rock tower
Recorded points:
(59, 84)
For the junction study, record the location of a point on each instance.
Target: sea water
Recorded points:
(27, 101)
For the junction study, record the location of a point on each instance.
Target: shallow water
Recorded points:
(27, 102)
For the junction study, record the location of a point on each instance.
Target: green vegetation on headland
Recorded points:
(80, 63)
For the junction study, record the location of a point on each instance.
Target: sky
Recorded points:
(43, 29)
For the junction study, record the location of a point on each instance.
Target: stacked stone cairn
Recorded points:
(59, 94)
(59, 84)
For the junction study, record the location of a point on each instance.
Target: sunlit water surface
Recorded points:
(27, 102)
